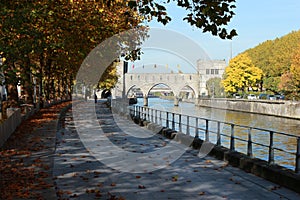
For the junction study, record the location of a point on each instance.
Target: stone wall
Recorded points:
(289, 109)
(9, 125)
(15, 116)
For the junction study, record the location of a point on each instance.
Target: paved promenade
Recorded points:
(77, 172)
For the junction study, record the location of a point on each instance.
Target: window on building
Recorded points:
(207, 71)
(216, 71)
(212, 71)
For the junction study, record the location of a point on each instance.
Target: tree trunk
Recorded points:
(12, 92)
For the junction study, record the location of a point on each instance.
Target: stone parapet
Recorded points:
(288, 109)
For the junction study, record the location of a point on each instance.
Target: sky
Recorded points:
(255, 21)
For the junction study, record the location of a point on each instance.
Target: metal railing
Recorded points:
(252, 141)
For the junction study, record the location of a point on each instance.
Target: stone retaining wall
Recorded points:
(15, 117)
(289, 109)
(10, 124)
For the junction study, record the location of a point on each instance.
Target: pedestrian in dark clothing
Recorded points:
(95, 97)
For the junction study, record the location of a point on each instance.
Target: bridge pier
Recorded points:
(145, 100)
(176, 101)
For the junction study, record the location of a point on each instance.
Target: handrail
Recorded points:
(176, 122)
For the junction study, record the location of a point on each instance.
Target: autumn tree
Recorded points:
(275, 57)
(290, 80)
(241, 74)
(49, 40)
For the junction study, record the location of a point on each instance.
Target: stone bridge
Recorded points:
(175, 81)
(146, 81)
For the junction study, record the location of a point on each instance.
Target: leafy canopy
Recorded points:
(209, 15)
(241, 74)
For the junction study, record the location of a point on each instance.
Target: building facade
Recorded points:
(209, 69)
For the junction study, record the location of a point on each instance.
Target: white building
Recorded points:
(209, 69)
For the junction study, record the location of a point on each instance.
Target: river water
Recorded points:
(277, 124)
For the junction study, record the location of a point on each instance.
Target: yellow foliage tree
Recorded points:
(241, 74)
(295, 67)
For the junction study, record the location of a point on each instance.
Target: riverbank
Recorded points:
(279, 108)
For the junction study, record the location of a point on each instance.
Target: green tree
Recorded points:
(215, 87)
(241, 74)
(109, 78)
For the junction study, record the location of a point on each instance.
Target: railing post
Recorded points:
(188, 125)
(232, 146)
(173, 121)
(206, 131)
(135, 111)
(180, 124)
(160, 120)
(148, 110)
(131, 112)
(156, 117)
(297, 168)
(249, 149)
(218, 134)
(271, 149)
(152, 115)
(142, 112)
(196, 129)
(167, 120)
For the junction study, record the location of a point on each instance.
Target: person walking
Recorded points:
(95, 97)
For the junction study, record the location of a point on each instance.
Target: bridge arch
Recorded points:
(156, 84)
(191, 88)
